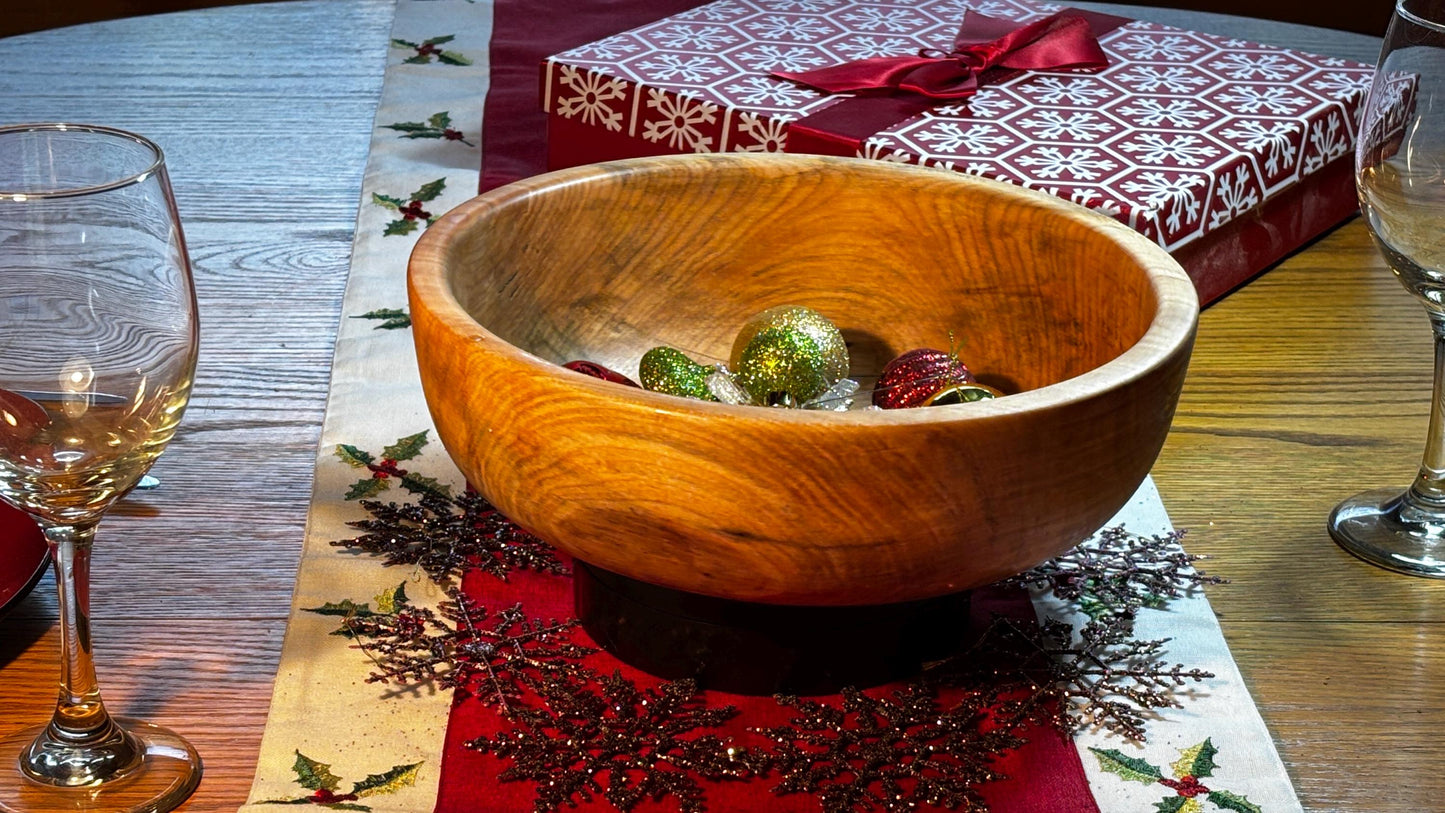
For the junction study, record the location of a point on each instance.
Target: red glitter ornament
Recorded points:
(910, 379)
(598, 371)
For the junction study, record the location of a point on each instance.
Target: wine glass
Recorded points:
(97, 355)
(1400, 170)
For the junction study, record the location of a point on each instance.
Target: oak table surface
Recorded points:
(1307, 385)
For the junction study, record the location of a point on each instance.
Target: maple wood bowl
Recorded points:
(1087, 324)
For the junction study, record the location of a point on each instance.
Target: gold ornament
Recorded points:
(788, 355)
(962, 394)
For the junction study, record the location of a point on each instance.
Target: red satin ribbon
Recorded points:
(1062, 40)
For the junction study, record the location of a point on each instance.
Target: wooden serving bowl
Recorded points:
(1087, 323)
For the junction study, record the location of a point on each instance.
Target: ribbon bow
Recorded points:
(1061, 40)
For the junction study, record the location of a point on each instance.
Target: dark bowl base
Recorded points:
(763, 649)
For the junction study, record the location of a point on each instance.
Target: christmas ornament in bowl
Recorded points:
(1082, 326)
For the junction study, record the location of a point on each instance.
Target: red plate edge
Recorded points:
(24, 556)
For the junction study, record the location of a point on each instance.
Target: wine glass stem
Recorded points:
(80, 716)
(1428, 490)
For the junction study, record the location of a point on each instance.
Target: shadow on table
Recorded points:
(25, 623)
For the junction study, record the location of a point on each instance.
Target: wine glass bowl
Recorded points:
(1400, 172)
(96, 366)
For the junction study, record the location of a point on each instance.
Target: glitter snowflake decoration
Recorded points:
(896, 753)
(1115, 573)
(460, 646)
(643, 741)
(1100, 677)
(445, 536)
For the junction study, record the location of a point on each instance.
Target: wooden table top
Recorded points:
(1309, 384)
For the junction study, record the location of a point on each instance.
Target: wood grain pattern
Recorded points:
(265, 114)
(1089, 322)
(1307, 385)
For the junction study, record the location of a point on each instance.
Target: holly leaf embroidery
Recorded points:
(388, 601)
(370, 487)
(409, 127)
(1130, 768)
(430, 191)
(406, 448)
(391, 318)
(392, 781)
(403, 226)
(387, 200)
(314, 775)
(439, 125)
(453, 58)
(417, 484)
(1177, 804)
(1197, 761)
(352, 456)
(1231, 801)
(346, 607)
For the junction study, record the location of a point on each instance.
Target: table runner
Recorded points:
(403, 570)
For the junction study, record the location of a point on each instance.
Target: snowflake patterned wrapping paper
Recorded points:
(1228, 153)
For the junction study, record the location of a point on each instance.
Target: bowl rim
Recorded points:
(1172, 327)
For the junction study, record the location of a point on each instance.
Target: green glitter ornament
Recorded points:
(789, 355)
(667, 370)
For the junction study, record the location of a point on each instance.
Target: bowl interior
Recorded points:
(622, 258)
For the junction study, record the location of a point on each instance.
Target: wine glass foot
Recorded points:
(166, 771)
(1390, 530)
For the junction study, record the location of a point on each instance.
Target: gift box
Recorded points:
(1228, 153)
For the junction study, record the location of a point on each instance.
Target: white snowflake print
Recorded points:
(865, 47)
(1236, 194)
(769, 134)
(1274, 139)
(990, 8)
(677, 68)
(679, 119)
(1267, 67)
(1327, 140)
(883, 151)
(1390, 101)
(1090, 197)
(715, 12)
(957, 139)
(1058, 90)
(1054, 125)
(808, 6)
(1162, 79)
(1082, 164)
(1341, 85)
(1279, 100)
(1150, 112)
(978, 168)
(894, 21)
(985, 104)
(761, 90)
(1163, 148)
(791, 58)
(1158, 189)
(683, 37)
(594, 91)
(614, 47)
(1167, 47)
(778, 27)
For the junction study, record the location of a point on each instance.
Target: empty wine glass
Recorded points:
(1400, 170)
(96, 360)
